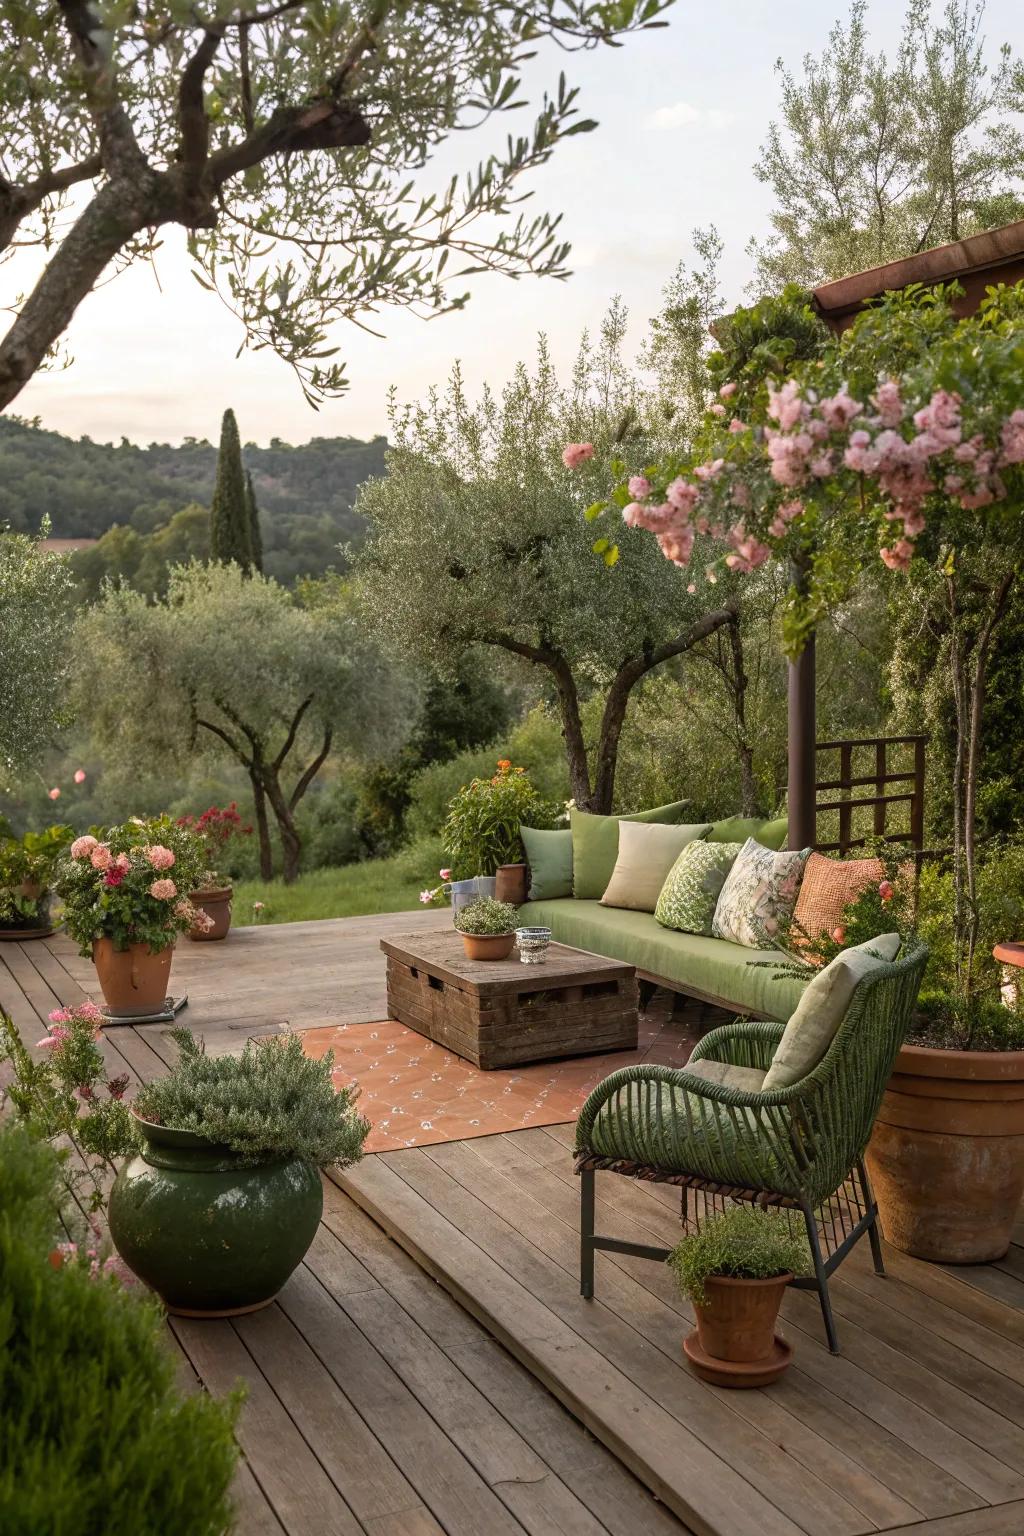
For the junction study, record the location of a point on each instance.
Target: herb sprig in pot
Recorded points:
(735, 1269)
(488, 928)
(225, 1197)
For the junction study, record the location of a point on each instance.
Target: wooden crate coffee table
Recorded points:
(501, 1013)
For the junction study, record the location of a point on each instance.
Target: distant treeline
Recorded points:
(305, 493)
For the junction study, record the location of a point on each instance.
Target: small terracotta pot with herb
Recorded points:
(488, 928)
(735, 1269)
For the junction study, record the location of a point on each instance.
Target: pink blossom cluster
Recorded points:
(575, 454)
(159, 856)
(163, 890)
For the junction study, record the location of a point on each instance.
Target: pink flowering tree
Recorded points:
(900, 441)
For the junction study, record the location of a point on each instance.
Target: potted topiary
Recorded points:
(27, 865)
(224, 1198)
(216, 828)
(735, 1269)
(124, 905)
(488, 928)
(481, 837)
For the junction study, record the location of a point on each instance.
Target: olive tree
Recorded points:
(35, 607)
(238, 666)
(476, 539)
(288, 138)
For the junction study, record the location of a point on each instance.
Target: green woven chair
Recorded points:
(799, 1147)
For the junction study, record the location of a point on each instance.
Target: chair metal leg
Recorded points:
(587, 1233)
(821, 1279)
(872, 1209)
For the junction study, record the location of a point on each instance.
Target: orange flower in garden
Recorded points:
(504, 763)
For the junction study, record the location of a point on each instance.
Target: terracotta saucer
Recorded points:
(737, 1373)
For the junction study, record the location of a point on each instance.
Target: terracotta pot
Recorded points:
(734, 1343)
(510, 884)
(216, 903)
(133, 980)
(488, 946)
(946, 1157)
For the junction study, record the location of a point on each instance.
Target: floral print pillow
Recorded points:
(692, 887)
(760, 890)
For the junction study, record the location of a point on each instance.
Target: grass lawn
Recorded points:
(378, 885)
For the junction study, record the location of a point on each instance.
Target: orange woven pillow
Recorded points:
(828, 886)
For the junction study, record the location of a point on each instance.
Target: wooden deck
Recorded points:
(384, 1403)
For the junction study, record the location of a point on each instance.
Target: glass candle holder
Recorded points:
(533, 945)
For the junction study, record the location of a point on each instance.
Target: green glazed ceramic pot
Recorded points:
(212, 1236)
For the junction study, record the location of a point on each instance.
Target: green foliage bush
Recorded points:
(487, 917)
(743, 1242)
(95, 1438)
(481, 830)
(271, 1102)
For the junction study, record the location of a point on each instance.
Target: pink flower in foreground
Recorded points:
(899, 556)
(54, 793)
(56, 1037)
(163, 890)
(683, 495)
(575, 454)
(838, 935)
(889, 404)
(59, 1016)
(426, 897)
(1012, 438)
(785, 405)
(639, 487)
(886, 891)
(736, 425)
(79, 775)
(727, 391)
(83, 846)
(114, 877)
(88, 1010)
(717, 409)
(159, 856)
(445, 874)
(632, 514)
(101, 857)
(840, 409)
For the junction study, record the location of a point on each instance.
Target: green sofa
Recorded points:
(711, 969)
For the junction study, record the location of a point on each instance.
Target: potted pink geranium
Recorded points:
(125, 904)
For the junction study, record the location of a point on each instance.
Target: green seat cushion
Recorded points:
(549, 855)
(736, 829)
(693, 885)
(710, 967)
(595, 845)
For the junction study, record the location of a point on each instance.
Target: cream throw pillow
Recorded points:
(647, 851)
(821, 1010)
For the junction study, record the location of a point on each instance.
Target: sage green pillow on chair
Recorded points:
(595, 845)
(693, 885)
(736, 829)
(816, 1019)
(549, 855)
(647, 851)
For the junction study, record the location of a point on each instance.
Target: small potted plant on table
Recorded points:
(27, 865)
(481, 837)
(488, 928)
(735, 1269)
(216, 828)
(124, 905)
(224, 1197)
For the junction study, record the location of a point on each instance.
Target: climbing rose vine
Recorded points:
(844, 456)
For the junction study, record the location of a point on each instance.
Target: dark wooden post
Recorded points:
(803, 829)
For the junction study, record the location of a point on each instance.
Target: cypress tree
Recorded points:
(229, 515)
(253, 518)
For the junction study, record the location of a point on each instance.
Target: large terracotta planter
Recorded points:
(946, 1157)
(38, 927)
(213, 1237)
(734, 1343)
(133, 980)
(488, 946)
(216, 903)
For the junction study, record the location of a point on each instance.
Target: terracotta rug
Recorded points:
(415, 1093)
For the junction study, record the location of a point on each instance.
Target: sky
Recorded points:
(681, 113)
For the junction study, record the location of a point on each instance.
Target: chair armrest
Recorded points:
(674, 1077)
(741, 1045)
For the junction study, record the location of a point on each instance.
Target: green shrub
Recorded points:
(487, 916)
(481, 830)
(272, 1101)
(95, 1438)
(743, 1242)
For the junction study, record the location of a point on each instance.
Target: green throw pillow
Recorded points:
(595, 845)
(736, 829)
(690, 894)
(549, 855)
(815, 1021)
